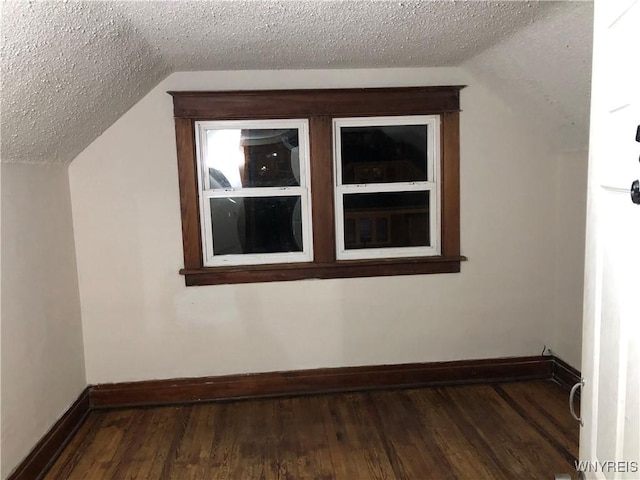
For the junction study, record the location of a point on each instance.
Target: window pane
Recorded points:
(242, 158)
(384, 154)
(383, 220)
(256, 225)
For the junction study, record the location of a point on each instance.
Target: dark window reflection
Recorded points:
(256, 225)
(268, 158)
(380, 220)
(386, 154)
(253, 158)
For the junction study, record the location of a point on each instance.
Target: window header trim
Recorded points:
(256, 104)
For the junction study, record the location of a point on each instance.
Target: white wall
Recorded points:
(571, 188)
(42, 351)
(141, 322)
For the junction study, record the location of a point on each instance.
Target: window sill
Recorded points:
(302, 271)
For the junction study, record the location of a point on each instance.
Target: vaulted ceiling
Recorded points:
(70, 69)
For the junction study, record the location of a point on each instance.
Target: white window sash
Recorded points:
(432, 186)
(205, 193)
(256, 192)
(306, 255)
(386, 187)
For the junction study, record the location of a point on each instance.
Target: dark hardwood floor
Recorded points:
(504, 431)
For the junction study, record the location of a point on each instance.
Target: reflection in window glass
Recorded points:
(244, 225)
(382, 230)
(245, 158)
(380, 220)
(384, 154)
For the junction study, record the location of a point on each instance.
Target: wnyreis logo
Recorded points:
(606, 467)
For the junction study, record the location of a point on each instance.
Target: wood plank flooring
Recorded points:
(504, 431)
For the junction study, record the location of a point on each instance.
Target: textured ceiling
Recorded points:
(70, 69)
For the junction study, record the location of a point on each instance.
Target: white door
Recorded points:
(609, 439)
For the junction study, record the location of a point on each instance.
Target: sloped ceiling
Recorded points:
(545, 69)
(70, 69)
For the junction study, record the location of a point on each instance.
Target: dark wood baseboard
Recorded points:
(305, 382)
(35, 465)
(565, 375)
(301, 382)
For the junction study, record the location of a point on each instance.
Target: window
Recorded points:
(387, 187)
(253, 187)
(294, 184)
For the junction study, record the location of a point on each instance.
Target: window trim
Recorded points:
(320, 107)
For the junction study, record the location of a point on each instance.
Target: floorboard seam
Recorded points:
(466, 425)
(568, 456)
(394, 461)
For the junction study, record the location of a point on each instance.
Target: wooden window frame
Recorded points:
(320, 107)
